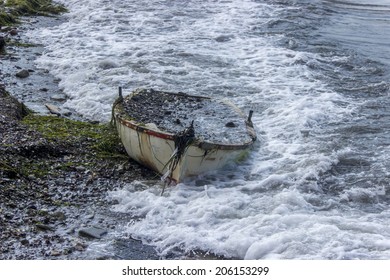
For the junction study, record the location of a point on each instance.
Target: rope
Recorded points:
(182, 140)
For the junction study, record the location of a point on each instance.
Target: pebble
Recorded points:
(8, 216)
(53, 109)
(13, 32)
(60, 216)
(23, 74)
(24, 242)
(230, 124)
(44, 227)
(79, 247)
(55, 253)
(58, 97)
(80, 168)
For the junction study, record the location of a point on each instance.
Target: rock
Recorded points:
(43, 212)
(92, 232)
(90, 216)
(13, 32)
(2, 43)
(44, 227)
(8, 216)
(80, 168)
(58, 97)
(107, 64)
(305, 132)
(223, 38)
(67, 113)
(79, 247)
(24, 242)
(55, 253)
(71, 230)
(53, 109)
(23, 74)
(230, 124)
(11, 205)
(120, 168)
(59, 216)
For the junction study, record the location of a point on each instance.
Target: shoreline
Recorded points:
(54, 181)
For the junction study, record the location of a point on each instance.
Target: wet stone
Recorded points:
(57, 97)
(22, 74)
(230, 124)
(92, 232)
(55, 253)
(59, 216)
(13, 32)
(24, 242)
(44, 227)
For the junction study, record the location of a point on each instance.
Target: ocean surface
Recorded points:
(317, 75)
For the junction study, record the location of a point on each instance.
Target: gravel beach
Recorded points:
(55, 172)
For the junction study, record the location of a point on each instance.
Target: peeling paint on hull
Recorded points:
(154, 148)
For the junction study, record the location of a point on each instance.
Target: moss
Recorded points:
(101, 139)
(24, 169)
(21, 45)
(12, 9)
(6, 168)
(6, 19)
(35, 7)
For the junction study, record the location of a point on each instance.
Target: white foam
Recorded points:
(230, 222)
(268, 207)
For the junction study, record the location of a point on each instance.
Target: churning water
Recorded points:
(316, 73)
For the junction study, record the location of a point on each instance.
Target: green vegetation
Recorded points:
(21, 45)
(101, 139)
(5, 18)
(35, 7)
(12, 9)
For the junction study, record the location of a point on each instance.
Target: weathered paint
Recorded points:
(153, 148)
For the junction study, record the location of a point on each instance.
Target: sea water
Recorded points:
(316, 73)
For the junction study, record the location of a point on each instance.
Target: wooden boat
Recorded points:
(180, 135)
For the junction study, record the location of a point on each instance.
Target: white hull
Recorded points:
(154, 149)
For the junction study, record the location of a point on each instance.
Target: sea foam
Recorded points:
(271, 206)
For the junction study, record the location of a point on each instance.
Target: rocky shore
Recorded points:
(55, 172)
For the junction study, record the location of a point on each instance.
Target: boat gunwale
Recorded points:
(206, 145)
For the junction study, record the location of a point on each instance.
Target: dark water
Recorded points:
(352, 41)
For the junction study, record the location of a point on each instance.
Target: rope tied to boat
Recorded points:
(116, 102)
(182, 140)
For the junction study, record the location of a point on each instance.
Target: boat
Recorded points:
(180, 135)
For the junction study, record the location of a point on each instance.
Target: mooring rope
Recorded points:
(182, 140)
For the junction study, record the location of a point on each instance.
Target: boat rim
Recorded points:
(207, 145)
